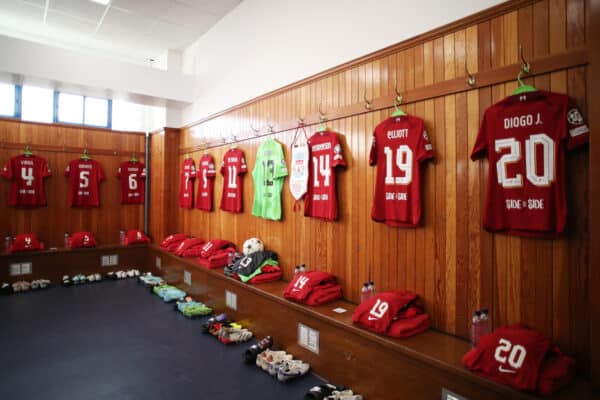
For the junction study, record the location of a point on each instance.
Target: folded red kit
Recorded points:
(136, 236)
(81, 240)
(521, 358)
(188, 244)
(213, 246)
(313, 288)
(217, 259)
(395, 313)
(174, 238)
(26, 242)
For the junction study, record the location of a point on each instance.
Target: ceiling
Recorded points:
(133, 30)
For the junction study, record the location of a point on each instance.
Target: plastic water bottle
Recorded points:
(122, 237)
(302, 268)
(371, 287)
(484, 323)
(296, 270)
(364, 292)
(67, 240)
(7, 242)
(475, 322)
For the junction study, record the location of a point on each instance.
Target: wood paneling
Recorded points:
(592, 30)
(348, 355)
(59, 144)
(450, 260)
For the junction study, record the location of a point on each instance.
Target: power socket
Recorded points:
(308, 338)
(24, 268)
(110, 260)
(448, 395)
(158, 262)
(231, 300)
(187, 278)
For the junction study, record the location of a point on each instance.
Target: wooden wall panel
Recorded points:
(57, 144)
(450, 260)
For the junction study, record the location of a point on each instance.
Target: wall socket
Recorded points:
(24, 268)
(110, 260)
(158, 262)
(308, 338)
(187, 277)
(231, 300)
(448, 395)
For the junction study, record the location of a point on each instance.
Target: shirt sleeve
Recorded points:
(243, 166)
(143, 174)
(119, 173)
(68, 170)
(99, 173)
(7, 171)
(578, 131)
(338, 155)
(46, 171)
(481, 143)
(222, 171)
(424, 146)
(280, 166)
(373, 152)
(192, 171)
(211, 172)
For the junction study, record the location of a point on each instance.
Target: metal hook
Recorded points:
(321, 113)
(470, 76)
(398, 95)
(524, 64)
(223, 138)
(367, 102)
(270, 128)
(256, 131)
(300, 121)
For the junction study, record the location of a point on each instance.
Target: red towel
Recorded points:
(407, 327)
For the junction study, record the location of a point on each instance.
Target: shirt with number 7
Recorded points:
(84, 179)
(26, 174)
(233, 168)
(186, 183)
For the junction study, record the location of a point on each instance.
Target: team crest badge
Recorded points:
(574, 117)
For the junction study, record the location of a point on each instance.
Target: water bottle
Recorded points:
(67, 240)
(122, 237)
(475, 328)
(371, 287)
(364, 292)
(484, 322)
(7, 242)
(302, 268)
(230, 258)
(296, 270)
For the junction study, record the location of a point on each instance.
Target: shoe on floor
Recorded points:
(268, 356)
(291, 369)
(230, 334)
(344, 395)
(253, 351)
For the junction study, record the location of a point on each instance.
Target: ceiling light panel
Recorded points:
(103, 2)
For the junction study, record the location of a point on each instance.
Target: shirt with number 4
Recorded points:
(133, 182)
(186, 183)
(524, 138)
(26, 174)
(399, 146)
(321, 195)
(233, 168)
(84, 179)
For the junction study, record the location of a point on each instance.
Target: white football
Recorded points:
(252, 245)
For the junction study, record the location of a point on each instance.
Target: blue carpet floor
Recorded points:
(114, 340)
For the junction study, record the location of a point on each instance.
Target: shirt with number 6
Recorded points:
(325, 155)
(84, 182)
(26, 174)
(399, 146)
(133, 182)
(186, 183)
(524, 138)
(233, 168)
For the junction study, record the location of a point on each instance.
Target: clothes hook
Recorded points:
(367, 102)
(321, 113)
(300, 121)
(270, 128)
(256, 131)
(524, 64)
(470, 76)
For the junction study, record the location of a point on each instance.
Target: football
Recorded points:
(252, 245)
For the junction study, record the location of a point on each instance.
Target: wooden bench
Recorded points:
(375, 366)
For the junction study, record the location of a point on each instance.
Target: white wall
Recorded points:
(70, 70)
(263, 45)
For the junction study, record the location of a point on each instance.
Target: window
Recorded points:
(70, 108)
(38, 104)
(96, 112)
(7, 99)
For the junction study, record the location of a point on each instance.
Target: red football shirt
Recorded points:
(26, 174)
(186, 183)
(133, 182)
(511, 355)
(524, 138)
(321, 195)
(233, 168)
(84, 178)
(399, 145)
(207, 183)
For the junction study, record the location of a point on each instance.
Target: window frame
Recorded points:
(108, 112)
(17, 105)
